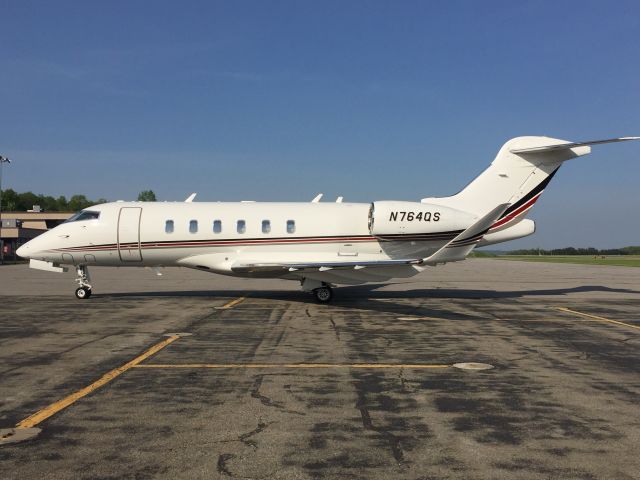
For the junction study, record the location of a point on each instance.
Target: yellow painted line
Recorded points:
(291, 365)
(54, 408)
(232, 303)
(596, 317)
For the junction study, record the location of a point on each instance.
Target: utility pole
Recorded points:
(3, 160)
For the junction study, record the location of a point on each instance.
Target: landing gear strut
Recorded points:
(84, 282)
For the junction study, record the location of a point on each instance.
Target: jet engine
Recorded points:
(390, 219)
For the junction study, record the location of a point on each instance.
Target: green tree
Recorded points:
(147, 196)
(9, 200)
(61, 204)
(78, 202)
(48, 203)
(21, 202)
(27, 200)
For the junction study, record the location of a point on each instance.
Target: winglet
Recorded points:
(191, 197)
(461, 246)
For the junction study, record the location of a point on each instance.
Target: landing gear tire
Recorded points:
(83, 293)
(323, 294)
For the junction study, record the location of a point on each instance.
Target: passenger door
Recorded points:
(129, 234)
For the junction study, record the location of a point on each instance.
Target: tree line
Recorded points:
(14, 201)
(577, 251)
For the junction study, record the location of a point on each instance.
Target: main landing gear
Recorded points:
(323, 294)
(84, 281)
(322, 291)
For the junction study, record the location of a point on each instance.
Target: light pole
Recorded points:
(3, 160)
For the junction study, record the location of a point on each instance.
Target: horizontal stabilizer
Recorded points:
(565, 146)
(461, 246)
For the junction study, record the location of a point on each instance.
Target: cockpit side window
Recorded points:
(83, 215)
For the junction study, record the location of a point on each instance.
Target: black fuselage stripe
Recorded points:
(220, 242)
(538, 189)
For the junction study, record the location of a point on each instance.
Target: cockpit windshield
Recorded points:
(83, 215)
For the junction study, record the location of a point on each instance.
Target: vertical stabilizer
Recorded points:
(518, 175)
(512, 176)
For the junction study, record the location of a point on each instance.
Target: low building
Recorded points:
(18, 228)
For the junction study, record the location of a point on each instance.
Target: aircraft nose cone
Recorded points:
(23, 251)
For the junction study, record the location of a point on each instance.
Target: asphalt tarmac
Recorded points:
(192, 375)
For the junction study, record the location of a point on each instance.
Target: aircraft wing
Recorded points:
(320, 266)
(461, 246)
(565, 146)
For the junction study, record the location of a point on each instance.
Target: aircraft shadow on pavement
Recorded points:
(350, 294)
(367, 297)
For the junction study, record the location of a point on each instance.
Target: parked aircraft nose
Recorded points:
(23, 251)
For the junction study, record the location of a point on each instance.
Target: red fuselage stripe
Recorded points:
(517, 212)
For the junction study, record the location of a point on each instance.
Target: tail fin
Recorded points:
(519, 174)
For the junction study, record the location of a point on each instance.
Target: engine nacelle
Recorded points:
(521, 229)
(415, 218)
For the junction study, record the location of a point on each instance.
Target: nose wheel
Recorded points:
(83, 292)
(84, 282)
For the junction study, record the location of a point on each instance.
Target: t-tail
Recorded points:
(519, 174)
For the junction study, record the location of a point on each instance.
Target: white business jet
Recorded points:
(318, 244)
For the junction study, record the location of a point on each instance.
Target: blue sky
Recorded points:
(282, 100)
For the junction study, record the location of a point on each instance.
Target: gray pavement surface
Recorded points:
(562, 400)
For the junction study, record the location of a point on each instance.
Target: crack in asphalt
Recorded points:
(222, 463)
(335, 328)
(390, 438)
(245, 437)
(255, 393)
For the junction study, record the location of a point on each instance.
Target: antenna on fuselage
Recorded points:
(317, 198)
(191, 197)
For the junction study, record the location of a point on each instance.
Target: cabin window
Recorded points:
(217, 226)
(168, 226)
(193, 226)
(291, 226)
(242, 226)
(266, 226)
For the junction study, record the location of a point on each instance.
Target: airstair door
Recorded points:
(129, 234)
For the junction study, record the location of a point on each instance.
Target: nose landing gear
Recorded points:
(84, 282)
